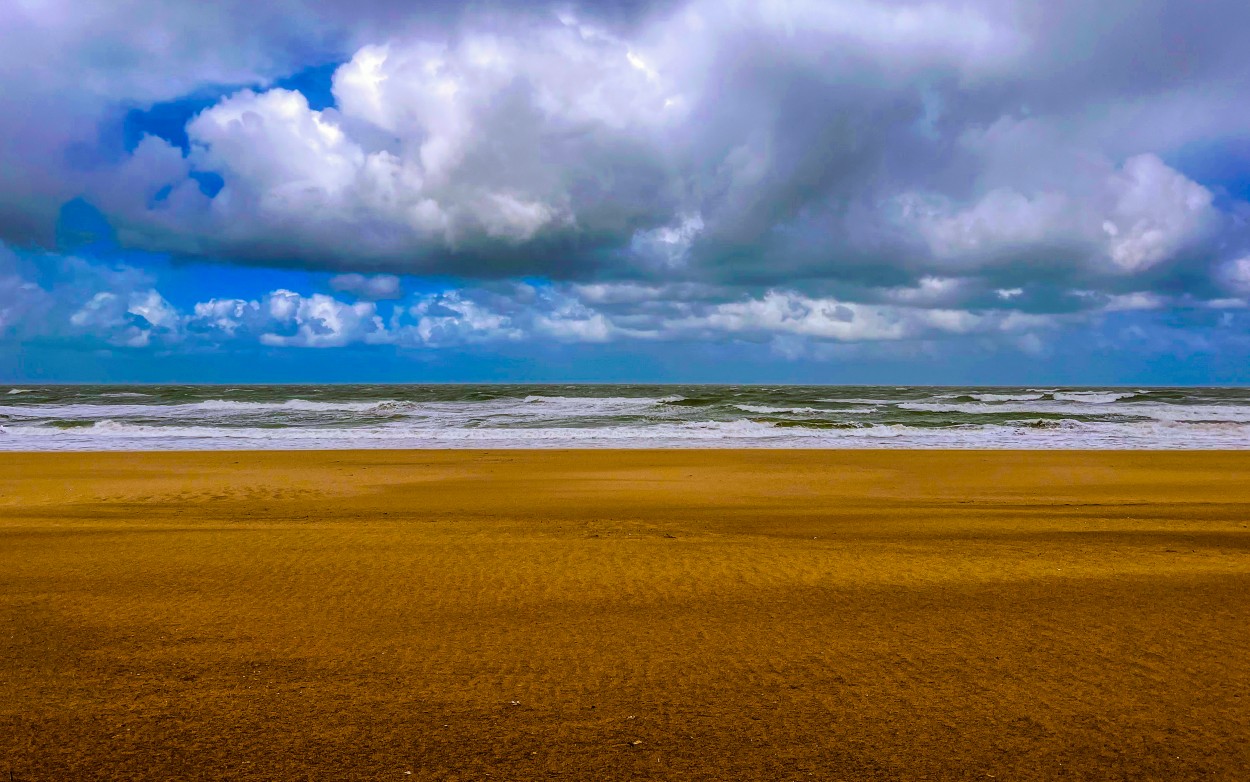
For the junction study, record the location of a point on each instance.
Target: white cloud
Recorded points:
(373, 287)
(1141, 300)
(320, 321)
(226, 317)
(451, 319)
(1155, 212)
(1235, 274)
(784, 312)
(520, 129)
(496, 137)
(127, 319)
(669, 245)
(572, 321)
(932, 292)
(1002, 220)
(1122, 221)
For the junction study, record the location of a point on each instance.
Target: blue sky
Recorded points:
(843, 192)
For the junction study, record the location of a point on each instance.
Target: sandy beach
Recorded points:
(625, 615)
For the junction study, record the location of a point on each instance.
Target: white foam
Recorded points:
(109, 434)
(1093, 397)
(303, 405)
(825, 412)
(1007, 397)
(763, 409)
(214, 407)
(1150, 411)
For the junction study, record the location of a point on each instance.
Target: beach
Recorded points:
(625, 614)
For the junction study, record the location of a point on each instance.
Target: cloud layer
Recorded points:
(844, 171)
(51, 299)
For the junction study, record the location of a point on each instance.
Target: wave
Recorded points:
(826, 413)
(1139, 412)
(14, 391)
(511, 410)
(766, 409)
(216, 406)
(813, 423)
(1093, 397)
(1053, 423)
(70, 423)
(1035, 395)
(111, 428)
(302, 405)
(1005, 397)
(682, 401)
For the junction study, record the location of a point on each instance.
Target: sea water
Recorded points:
(49, 418)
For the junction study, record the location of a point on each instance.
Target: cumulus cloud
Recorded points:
(319, 321)
(490, 140)
(127, 320)
(1125, 221)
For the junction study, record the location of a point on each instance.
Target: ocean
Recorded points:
(172, 417)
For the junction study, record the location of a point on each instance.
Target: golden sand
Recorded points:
(625, 615)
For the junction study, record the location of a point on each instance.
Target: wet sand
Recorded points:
(625, 615)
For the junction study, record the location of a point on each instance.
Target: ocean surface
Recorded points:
(82, 418)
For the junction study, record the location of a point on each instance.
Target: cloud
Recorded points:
(127, 320)
(1236, 275)
(727, 143)
(22, 301)
(49, 300)
(1124, 221)
(66, 298)
(837, 171)
(489, 141)
(373, 287)
(451, 318)
(319, 321)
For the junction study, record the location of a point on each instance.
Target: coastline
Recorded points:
(532, 613)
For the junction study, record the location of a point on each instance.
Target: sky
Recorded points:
(822, 191)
